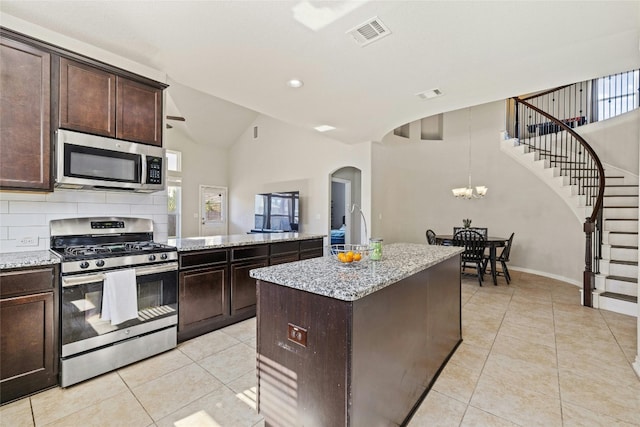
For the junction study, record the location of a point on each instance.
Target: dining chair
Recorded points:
(503, 258)
(473, 243)
(431, 237)
(484, 231)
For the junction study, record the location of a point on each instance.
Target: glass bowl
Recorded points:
(348, 253)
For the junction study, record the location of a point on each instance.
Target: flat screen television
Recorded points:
(277, 212)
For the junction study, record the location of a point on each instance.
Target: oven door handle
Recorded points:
(154, 269)
(82, 280)
(100, 277)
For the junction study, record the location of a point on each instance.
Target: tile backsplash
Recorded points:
(24, 217)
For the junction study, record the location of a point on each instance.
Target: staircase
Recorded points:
(617, 282)
(616, 285)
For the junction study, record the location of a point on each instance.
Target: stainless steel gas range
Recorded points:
(119, 294)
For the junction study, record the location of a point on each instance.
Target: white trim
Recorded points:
(545, 274)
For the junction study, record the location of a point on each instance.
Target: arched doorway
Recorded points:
(345, 220)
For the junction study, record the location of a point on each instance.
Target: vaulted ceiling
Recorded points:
(228, 60)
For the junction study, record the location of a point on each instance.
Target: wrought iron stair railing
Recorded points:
(551, 135)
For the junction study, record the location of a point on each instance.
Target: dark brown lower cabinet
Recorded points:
(28, 332)
(203, 301)
(216, 289)
(243, 287)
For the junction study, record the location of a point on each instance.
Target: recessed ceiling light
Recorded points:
(295, 83)
(324, 128)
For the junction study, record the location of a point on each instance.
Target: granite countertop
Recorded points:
(232, 240)
(349, 282)
(27, 259)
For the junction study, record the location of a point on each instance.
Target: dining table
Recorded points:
(491, 242)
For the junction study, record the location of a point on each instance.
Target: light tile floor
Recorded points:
(531, 355)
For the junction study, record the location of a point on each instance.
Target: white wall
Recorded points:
(288, 158)
(28, 214)
(616, 140)
(202, 164)
(412, 192)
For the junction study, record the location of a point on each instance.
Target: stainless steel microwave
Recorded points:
(86, 161)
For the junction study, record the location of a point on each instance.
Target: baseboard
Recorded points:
(545, 274)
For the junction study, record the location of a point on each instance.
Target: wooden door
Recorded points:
(87, 99)
(139, 112)
(25, 133)
(204, 300)
(243, 287)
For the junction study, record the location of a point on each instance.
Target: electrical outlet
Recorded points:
(297, 334)
(28, 241)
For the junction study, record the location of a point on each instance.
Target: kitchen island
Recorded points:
(355, 344)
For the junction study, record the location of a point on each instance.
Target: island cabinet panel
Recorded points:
(304, 385)
(243, 287)
(203, 303)
(28, 332)
(367, 362)
(25, 131)
(87, 99)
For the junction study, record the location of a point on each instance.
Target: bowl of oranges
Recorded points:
(349, 254)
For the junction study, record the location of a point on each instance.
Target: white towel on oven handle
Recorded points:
(119, 296)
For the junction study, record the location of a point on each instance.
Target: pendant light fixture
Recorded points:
(467, 192)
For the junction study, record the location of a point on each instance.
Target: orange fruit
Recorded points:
(341, 256)
(349, 256)
(357, 256)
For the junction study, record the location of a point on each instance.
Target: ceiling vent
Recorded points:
(429, 94)
(369, 31)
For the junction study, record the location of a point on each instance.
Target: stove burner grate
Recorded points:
(86, 250)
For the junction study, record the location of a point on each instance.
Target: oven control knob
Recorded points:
(152, 257)
(100, 263)
(84, 264)
(164, 256)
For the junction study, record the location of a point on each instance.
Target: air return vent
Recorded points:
(369, 32)
(429, 94)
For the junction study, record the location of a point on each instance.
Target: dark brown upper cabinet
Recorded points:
(25, 128)
(102, 103)
(87, 99)
(139, 112)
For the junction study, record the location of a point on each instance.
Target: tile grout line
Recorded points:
(555, 342)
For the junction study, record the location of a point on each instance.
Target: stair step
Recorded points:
(623, 279)
(623, 262)
(623, 247)
(623, 297)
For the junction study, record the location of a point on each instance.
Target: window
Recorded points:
(174, 192)
(214, 206)
(174, 161)
(617, 94)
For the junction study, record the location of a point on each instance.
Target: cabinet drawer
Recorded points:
(26, 282)
(315, 253)
(249, 252)
(203, 258)
(281, 259)
(284, 247)
(306, 245)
